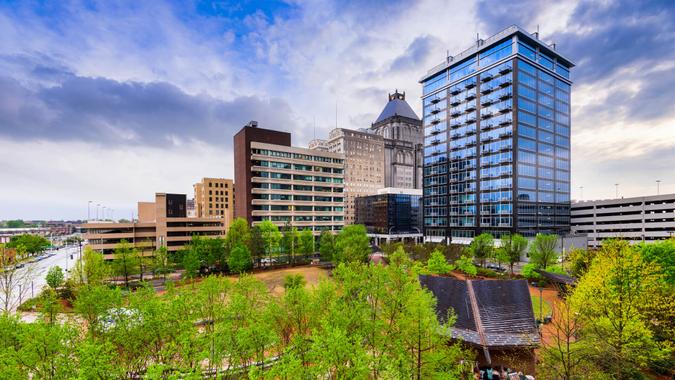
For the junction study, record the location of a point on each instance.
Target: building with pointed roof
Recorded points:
(403, 137)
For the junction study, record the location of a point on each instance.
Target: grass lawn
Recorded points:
(546, 307)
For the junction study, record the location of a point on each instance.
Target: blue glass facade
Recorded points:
(390, 213)
(497, 141)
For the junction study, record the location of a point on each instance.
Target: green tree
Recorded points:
(125, 261)
(289, 241)
(240, 259)
(482, 247)
(352, 244)
(191, 263)
(513, 247)
(257, 245)
(542, 250)
(306, 242)
(271, 237)
(579, 260)
(91, 268)
(238, 234)
(93, 300)
(662, 253)
(326, 245)
(160, 262)
(31, 243)
(15, 223)
(437, 263)
(54, 277)
(610, 298)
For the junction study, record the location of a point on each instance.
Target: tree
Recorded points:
(513, 247)
(326, 245)
(32, 243)
(289, 241)
(564, 355)
(93, 300)
(579, 260)
(191, 263)
(160, 262)
(91, 268)
(662, 253)
(482, 246)
(125, 261)
(54, 277)
(240, 259)
(271, 237)
(14, 280)
(542, 250)
(352, 244)
(257, 245)
(437, 263)
(306, 242)
(610, 299)
(238, 234)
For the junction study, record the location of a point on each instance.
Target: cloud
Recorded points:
(109, 112)
(418, 51)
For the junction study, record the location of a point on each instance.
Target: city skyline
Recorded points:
(101, 102)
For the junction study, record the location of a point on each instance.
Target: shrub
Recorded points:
(437, 263)
(54, 277)
(529, 273)
(465, 265)
(485, 272)
(293, 281)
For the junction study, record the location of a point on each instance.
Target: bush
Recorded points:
(529, 273)
(294, 281)
(557, 269)
(54, 277)
(465, 265)
(485, 272)
(437, 263)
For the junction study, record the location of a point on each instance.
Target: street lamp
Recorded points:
(88, 211)
(658, 185)
(616, 190)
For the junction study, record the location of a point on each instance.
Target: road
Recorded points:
(37, 270)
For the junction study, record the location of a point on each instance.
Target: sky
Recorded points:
(111, 102)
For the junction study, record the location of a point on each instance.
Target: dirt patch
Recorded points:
(274, 278)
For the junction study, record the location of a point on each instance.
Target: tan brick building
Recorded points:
(214, 198)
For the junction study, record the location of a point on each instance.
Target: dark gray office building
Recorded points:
(497, 139)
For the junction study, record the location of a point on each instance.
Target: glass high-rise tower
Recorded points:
(497, 139)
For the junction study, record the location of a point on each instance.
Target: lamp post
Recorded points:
(658, 185)
(88, 211)
(616, 190)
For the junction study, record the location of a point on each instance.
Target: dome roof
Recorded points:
(397, 106)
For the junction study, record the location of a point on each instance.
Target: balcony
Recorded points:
(486, 90)
(486, 102)
(505, 109)
(486, 114)
(470, 108)
(435, 100)
(505, 70)
(486, 77)
(435, 111)
(505, 83)
(505, 122)
(455, 112)
(455, 90)
(486, 138)
(435, 121)
(455, 124)
(506, 134)
(455, 102)
(470, 96)
(469, 85)
(471, 119)
(505, 95)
